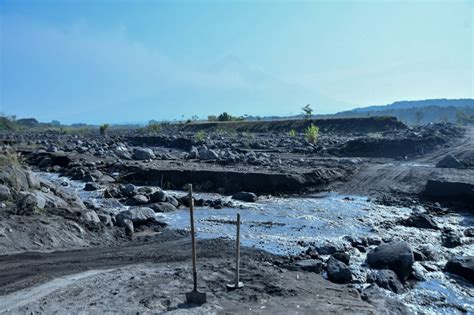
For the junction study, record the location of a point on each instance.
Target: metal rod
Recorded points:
(237, 253)
(193, 240)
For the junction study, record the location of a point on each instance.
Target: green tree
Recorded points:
(307, 111)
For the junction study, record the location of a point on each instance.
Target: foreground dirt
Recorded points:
(148, 277)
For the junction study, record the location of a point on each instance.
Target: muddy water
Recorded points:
(287, 225)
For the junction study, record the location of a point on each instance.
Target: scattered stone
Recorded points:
(451, 239)
(90, 216)
(138, 216)
(158, 196)
(469, 232)
(462, 266)
(449, 161)
(137, 200)
(338, 272)
(310, 265)
(421, 221)
(129, 190)
(386, 279)
(396, 256)
(105, 219)
(163, 207)
(143, 154)
(245, 196)
(342, 256)
(91, 187)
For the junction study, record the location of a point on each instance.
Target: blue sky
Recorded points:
(131, 61)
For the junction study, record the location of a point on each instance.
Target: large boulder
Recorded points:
(386, 279)
(449, 161)
(462, 266)
(245, 196)
(158, 196)
(137, 200)
(338, 271)
(137, 216)
(90, 217)
(91, 187)
(163, 207)
(421, 221)
(128, 190)
(206, 154)
(396, 256)
(451, 239)
(143, 154)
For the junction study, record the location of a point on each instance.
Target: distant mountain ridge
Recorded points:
(441, 102)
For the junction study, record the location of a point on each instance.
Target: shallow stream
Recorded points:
(286, 226)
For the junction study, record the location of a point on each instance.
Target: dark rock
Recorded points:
(419, 256)
(138, 216)
(429, 252)
(462, 266)
(245, 196)
(396, 256)
(105, 219)
(5, 193)
(158, 196)
(386, 279)
(163, 207)
(327, 249)
(45, 162)
(338, 272)
(460, 191)
(310, 265)
(129, 190)
(137, 200)
(342, 256)
(91, 187)
(469, 232)
(421, 221)
(172, 200)
(449, 161)
(111, 192)
(451, 239)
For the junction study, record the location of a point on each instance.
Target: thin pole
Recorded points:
(237, 253)
(193, 240)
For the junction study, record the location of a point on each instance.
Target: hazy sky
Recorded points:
(129, 61)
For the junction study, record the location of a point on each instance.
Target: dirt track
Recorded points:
(159, 272)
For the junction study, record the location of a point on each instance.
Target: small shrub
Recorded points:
(292, 133)
(200, 136)
(103, 129)
(312, 133)
(8, 157)
(154, 127)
